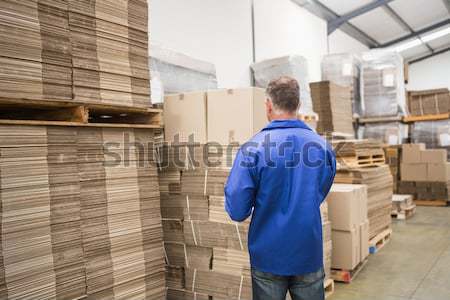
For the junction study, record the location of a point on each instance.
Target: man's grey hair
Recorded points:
(284, 93)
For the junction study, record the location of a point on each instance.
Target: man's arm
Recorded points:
(330, 171)
(240, 190)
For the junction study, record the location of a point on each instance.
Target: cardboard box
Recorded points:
(414, 172)
(235, 115)
(439, 172)
(185, 115)
(411, 153)
(346, 254)
(364, 241)
(434, 156)
(347, 206)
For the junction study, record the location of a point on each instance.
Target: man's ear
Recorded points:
(269, 107)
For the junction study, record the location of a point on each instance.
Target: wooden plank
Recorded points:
(410, 119)
(380, 119)
(431, 202)
(329, 288)
(347, 276)
(77, 124)
(379, 241)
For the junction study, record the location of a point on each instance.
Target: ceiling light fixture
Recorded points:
(423, 39)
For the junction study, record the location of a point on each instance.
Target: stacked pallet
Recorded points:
(206, 252)
(79, 214)
(333, 103)
(358, 153)
(93, 52)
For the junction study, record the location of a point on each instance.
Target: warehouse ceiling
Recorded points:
(418, 29)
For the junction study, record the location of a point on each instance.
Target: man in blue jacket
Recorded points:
(281, 177)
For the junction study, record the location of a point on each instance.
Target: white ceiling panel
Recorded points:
(379, 25)
(342, 7)
(420, 13)
(416, 51)
(440, 42)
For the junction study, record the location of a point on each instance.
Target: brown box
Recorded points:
(413, 172)
(434, 156)
(411, 153)
(346, 254)
(364, 228)
(439, 172)
(235, 115)
(185, 115)
(347, 206)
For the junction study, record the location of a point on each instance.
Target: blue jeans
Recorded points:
(273, 287)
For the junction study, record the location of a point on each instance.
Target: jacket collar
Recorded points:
(291, 123)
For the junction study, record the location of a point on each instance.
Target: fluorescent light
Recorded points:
(436, 35)
(408, 45)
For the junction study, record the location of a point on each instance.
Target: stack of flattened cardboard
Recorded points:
(425, 173)
(36, 53)
(333, 103)
(391, 133)
(393, 154)
(80, 218)
(379, 193)
(429, 102)
(87, 51)
(109, 42)
(347, 209)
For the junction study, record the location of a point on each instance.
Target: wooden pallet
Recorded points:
(329, 288)
(380, 119)
(431, 202)
(347, 276)
(373, 157)
(58, 113)
(404, 214)
(410, 119)
(380, 240)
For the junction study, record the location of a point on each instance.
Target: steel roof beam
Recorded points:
(416, 60)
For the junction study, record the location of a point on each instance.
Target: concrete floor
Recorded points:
(414, 265)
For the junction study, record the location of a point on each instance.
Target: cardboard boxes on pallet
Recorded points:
(429, 102)
(79, 217)
(347, 205)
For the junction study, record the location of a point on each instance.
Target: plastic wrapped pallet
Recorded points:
(344, 70)
(294, 66)
(179, 73)
(382, 84)
(429, 102)
(392, 133)
(434, 134)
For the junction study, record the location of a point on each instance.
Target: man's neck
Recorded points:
(284, 117)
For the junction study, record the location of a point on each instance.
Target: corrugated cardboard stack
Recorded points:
(109, 42)
(393, 156)
(425, 173)
(93, 52)
(390, 133)
(344, 70)
(334, 106)
(371, 170)
(347, 206)
(429, 102)
(80, 218)
(434, 134)
(35, 49)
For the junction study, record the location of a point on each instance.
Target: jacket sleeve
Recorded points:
(330, 172)
(240, 189)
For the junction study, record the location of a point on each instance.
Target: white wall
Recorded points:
(431, 73)
(340, 42)
(284, 28)
(217, 31)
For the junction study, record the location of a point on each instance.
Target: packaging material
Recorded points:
(248, 111)
(411, 153)
(434, 134)
(393, 154)
(346, 249)
(429, 102)
(438, 172)
(76, 51)
(433, 156)
(426, 190)
(364, 241)
(379, 193)
(382, 84)
(334, 106)
(179, 73)
(344, 70)
(414, 172)
(185, 118)
(294, 66)
(85, 213)
(347, 206)
(391, 133)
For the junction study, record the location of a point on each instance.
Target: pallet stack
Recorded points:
(93, 52)
(333, 103)
(206, 252)
(80, 214)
